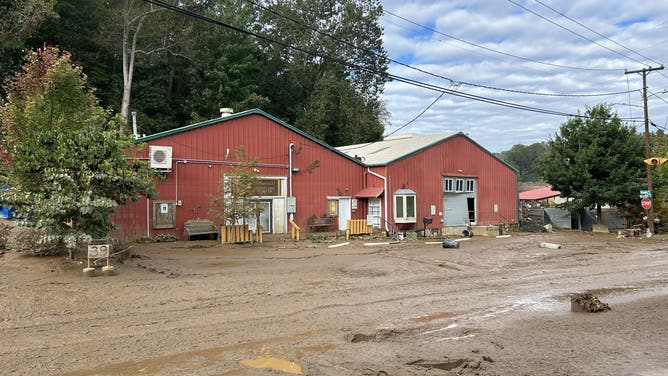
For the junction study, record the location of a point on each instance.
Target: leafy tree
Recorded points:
(64, 155)
(335, 114)
(18, 22)
(86, 29)
(595, 160)
(343, 76)
(524, 158)
(236, 199)
(659, 147)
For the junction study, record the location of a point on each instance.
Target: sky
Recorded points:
(558, 47)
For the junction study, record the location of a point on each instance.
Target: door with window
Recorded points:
(265, 216)
(373, 215)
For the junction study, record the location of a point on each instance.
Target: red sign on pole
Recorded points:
(646, 203)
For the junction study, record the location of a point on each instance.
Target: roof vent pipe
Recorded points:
(226, 111)
(134, 124)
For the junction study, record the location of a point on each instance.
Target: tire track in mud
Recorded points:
(215, 319)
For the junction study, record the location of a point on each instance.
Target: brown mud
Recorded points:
(494, 306)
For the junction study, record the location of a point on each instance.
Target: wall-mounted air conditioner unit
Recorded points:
(160, 157)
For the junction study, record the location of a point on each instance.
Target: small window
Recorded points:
(470, 185)
(459, 185)
(404, 206)
(448, 185)
(333, 207)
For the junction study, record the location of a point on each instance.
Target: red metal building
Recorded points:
(447, 180)
(393, 184)
(193, 159)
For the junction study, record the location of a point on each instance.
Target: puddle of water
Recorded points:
(185, 363)
(454, 338)
(451, 326)
(274, 364)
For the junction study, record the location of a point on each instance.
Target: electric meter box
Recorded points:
(292, 205)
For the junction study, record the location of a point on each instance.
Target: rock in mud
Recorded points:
(586, 302)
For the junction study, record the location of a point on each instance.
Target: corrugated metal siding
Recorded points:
(456, 157)
(321, 173)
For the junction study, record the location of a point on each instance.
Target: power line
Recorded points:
(657, 95)
(416, 117)
(574, 32)
(400, 128)
(452, 81)
(370, 70)
(596, 32)
(497, 51)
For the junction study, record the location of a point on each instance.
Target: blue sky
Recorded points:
(566, 64)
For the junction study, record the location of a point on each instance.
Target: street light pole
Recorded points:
(644, 71)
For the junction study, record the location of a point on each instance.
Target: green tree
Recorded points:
(64, 155)
(525, 159)
(343, 76)
(595, 160)
(18, 22)
(236, 199)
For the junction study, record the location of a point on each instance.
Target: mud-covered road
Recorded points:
(494, 306)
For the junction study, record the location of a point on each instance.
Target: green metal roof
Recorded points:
(237, 115)
(389, 151)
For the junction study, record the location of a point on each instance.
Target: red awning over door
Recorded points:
(370, 192)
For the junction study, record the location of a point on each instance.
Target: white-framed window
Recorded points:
(459, 185)
(332, 207)
(448, 185)
(404, 206)
(470, 185)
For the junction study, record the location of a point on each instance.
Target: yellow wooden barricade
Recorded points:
(239, 234)
(357, 227)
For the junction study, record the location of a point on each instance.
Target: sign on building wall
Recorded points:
(268, 187)
(164, 214)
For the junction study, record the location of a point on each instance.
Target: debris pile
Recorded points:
(586, 302)
(530, 224)
(448, 243)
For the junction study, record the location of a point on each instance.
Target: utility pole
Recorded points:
(644, 71)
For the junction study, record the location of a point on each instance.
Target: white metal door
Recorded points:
(344, 212)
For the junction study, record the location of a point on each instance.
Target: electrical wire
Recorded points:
(576, 33)
(400, 128)
(416, 117)
(596, 32)
(497, 51)
(397, 78)
(657, 95)
(451, 80)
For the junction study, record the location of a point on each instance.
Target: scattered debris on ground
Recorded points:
(586, 302)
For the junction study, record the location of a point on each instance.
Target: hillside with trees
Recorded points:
(317, 65)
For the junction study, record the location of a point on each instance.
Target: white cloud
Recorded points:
(503, 26)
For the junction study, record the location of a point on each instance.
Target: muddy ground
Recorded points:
(494, 306)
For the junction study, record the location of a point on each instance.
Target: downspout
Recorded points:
(290, 148)
(148, 218)
(176, 181)
(384, 194)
